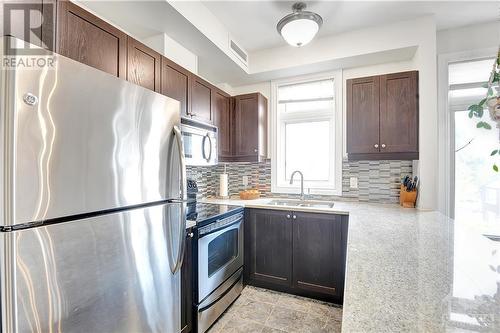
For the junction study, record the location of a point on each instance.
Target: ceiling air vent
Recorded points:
(242, 55)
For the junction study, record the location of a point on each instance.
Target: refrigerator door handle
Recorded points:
(182, 242)
(182, 159)
(182, 228)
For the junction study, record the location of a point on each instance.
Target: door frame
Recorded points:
(446, 127)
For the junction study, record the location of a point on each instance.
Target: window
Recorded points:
(307, 135)
(477, 187)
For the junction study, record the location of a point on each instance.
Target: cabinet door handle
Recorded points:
(287, 216)
(383, 145)
(255, 150)
(294, 217)
(375, 146)
(191, 235)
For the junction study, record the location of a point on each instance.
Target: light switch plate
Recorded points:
(245, 180)
(353, 182)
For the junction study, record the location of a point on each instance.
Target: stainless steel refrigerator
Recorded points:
(92, 217)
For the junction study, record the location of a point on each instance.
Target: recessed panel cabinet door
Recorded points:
(201, 100)
(143, 65)
(222, 119)
(246, 121)
(175, 83)
(268, 246)
(363, 115)
(317, 253)
(399, 112)
(89, 40)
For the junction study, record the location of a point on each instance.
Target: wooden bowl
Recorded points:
(249, 194)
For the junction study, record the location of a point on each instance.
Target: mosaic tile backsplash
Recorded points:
(378, 181)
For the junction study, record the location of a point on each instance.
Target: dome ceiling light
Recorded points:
(299, 27)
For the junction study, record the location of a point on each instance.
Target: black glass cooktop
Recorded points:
(204, 213)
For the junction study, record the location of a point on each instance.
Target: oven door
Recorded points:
(200, 143)
(220, 254)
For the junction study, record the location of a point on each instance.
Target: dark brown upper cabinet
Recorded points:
(88, 39)
(399, 113)
(250, 128)
(222, 115)
(242, 120)
(382, 117)
(49, 17)
(363, 115)
(201, 100)
(175, 83)
(143, 65)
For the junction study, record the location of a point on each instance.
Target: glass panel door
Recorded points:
(477, 186)
(222, 250)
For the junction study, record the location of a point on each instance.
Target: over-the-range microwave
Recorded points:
(200, 142)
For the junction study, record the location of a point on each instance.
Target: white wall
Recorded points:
(168, 47)
(264, 88)
(206, 22)
(425, 61)
(469, 38)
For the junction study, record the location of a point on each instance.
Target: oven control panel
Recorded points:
(219, 224)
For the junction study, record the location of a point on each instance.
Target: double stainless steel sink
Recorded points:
(301, 203)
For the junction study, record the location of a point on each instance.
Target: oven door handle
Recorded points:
(239, 273)
(214, 234)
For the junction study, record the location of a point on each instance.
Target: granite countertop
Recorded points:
(413, 271)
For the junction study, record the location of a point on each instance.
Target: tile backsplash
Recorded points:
(378, 181)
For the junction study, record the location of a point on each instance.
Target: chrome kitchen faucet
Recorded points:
(302, 197)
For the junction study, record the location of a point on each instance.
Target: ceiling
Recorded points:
(253, 23)
(143, 19)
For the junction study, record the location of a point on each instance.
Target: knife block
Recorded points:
(407, 199)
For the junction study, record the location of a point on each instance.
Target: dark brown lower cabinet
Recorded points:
(268, 250)
(318, 253)
(187, 287)
(296, 252)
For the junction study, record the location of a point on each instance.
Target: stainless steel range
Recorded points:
(219, 257)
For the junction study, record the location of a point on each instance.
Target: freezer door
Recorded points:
(103, 274)
(87, 141)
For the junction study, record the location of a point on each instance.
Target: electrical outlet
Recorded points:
(245, 180)
(353, 182)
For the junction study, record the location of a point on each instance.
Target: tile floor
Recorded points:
(265, 311)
